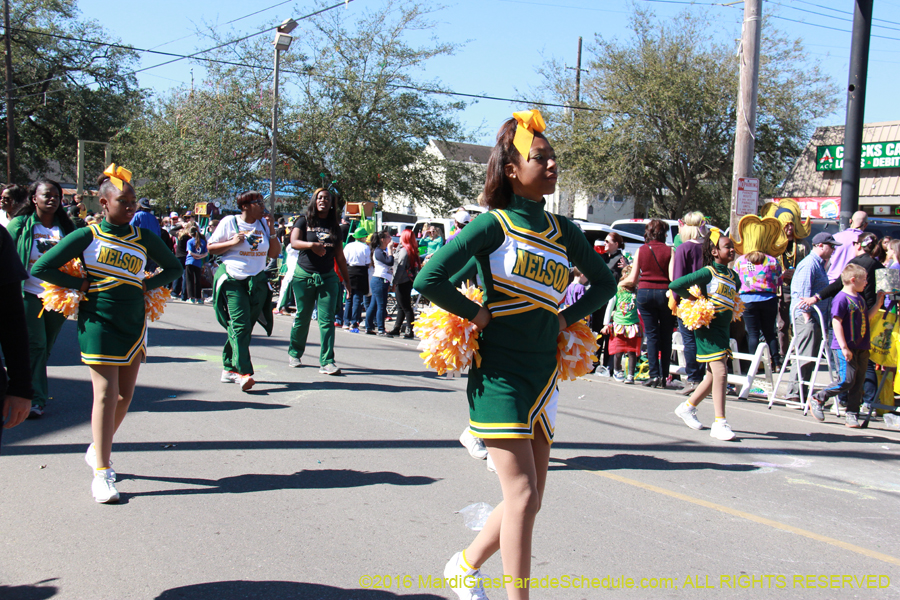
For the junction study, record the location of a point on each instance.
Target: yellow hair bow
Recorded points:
(118, 175)
(530, 122)
(714, 234)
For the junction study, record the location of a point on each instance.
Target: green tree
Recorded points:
(192, 146)
(351, 112)
(663, 114)
(66, 89)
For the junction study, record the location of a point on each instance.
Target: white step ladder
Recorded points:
(791, 357)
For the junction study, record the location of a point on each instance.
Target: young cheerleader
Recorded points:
(39, 226)
(523, 255)
(112, 329)
(625, 329)
(720, 284)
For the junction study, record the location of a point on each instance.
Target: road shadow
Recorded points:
(832, 432)
(196, 405)
(280, 590)
(35, 591)
(200, 338)
(638, 462)
(172, 359)
(301, 480)
(351, 385)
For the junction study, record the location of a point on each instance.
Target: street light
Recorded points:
(282, 42)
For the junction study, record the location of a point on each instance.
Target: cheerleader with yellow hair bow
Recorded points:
(760, 242)
(112, 317)
(718, 285)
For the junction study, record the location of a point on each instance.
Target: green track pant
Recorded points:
(313, 289)
(245, 303)
(42, 333)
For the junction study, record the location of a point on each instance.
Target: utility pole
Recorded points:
(570, 195)
(577, 73)
(745, 132)
(856, 103)
(10, 109)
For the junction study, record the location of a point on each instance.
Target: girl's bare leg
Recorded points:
(127, 380)
(522, 469)
(719, 371)
(113, 389)
(702, 390)
(105, 379)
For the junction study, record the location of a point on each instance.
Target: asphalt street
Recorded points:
(348, 487)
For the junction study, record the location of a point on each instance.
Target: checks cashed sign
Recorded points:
(876, 155)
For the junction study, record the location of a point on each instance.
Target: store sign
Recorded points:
(817, 208)
(877, 155)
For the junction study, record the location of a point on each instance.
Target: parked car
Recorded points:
(635, 227)
(879, 226)
(598, 231)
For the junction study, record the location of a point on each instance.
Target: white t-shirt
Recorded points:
(249, 257)
(44, 239)
(357, 254)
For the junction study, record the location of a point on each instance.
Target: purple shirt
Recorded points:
(844, 253)
(574, 292)
(851, 310)
(688, 258)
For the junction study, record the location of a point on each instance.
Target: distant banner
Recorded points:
(818, 208)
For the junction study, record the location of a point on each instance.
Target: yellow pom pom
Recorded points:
(738, 311)
(60, 299)
(155, 302)
(449, 342)
(576, 350)
(696, 313)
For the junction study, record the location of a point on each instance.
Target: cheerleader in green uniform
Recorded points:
(39, 226)
(112, 328)
(720, 284)
(523, 255)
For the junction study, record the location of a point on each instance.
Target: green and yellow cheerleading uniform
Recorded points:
(721, 286)
(112, 328)
(523, 255)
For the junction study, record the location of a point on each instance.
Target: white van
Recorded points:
(635, 227)
(598, 231)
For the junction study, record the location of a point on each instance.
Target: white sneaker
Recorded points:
(330, 369)
(721, 430)
(229, 377)
(490, 464)
(815, 407)
(103, 487)
(90, 457)
(688, 414)
(473, 444)
(466, 583)
(294, 362)
(246, 382)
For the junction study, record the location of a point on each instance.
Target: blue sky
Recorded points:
(505, 41)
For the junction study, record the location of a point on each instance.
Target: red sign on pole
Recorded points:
(747, 200)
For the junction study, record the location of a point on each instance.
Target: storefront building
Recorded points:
(815, 180)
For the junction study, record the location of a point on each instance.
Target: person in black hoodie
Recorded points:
(16, 392)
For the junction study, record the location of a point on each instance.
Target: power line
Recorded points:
(843, 12)
(843, 19)
(301, 73)
(246, 37)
